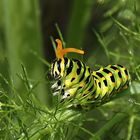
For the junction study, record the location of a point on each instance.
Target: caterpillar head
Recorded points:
(58, 63)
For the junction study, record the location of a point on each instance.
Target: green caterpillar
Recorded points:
(73, 79)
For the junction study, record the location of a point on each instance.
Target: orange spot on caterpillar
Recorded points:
(60, 52)
(110, 74)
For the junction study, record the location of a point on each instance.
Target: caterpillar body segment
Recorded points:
(73, 79)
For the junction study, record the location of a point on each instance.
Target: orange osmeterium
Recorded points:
(60, 52)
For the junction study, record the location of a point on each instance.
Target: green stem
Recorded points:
(23, 33)
(130, 128)
(81, 13)
(102, 132)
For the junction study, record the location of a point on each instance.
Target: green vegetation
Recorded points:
(28, 111)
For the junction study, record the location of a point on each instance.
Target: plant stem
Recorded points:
(130, 127)
(81, 13)
(23, 33)
(101, 133)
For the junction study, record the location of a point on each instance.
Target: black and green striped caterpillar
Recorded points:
(73, 79)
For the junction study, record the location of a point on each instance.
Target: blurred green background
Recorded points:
(109, 33)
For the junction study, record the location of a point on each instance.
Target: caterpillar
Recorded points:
(75, 80)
